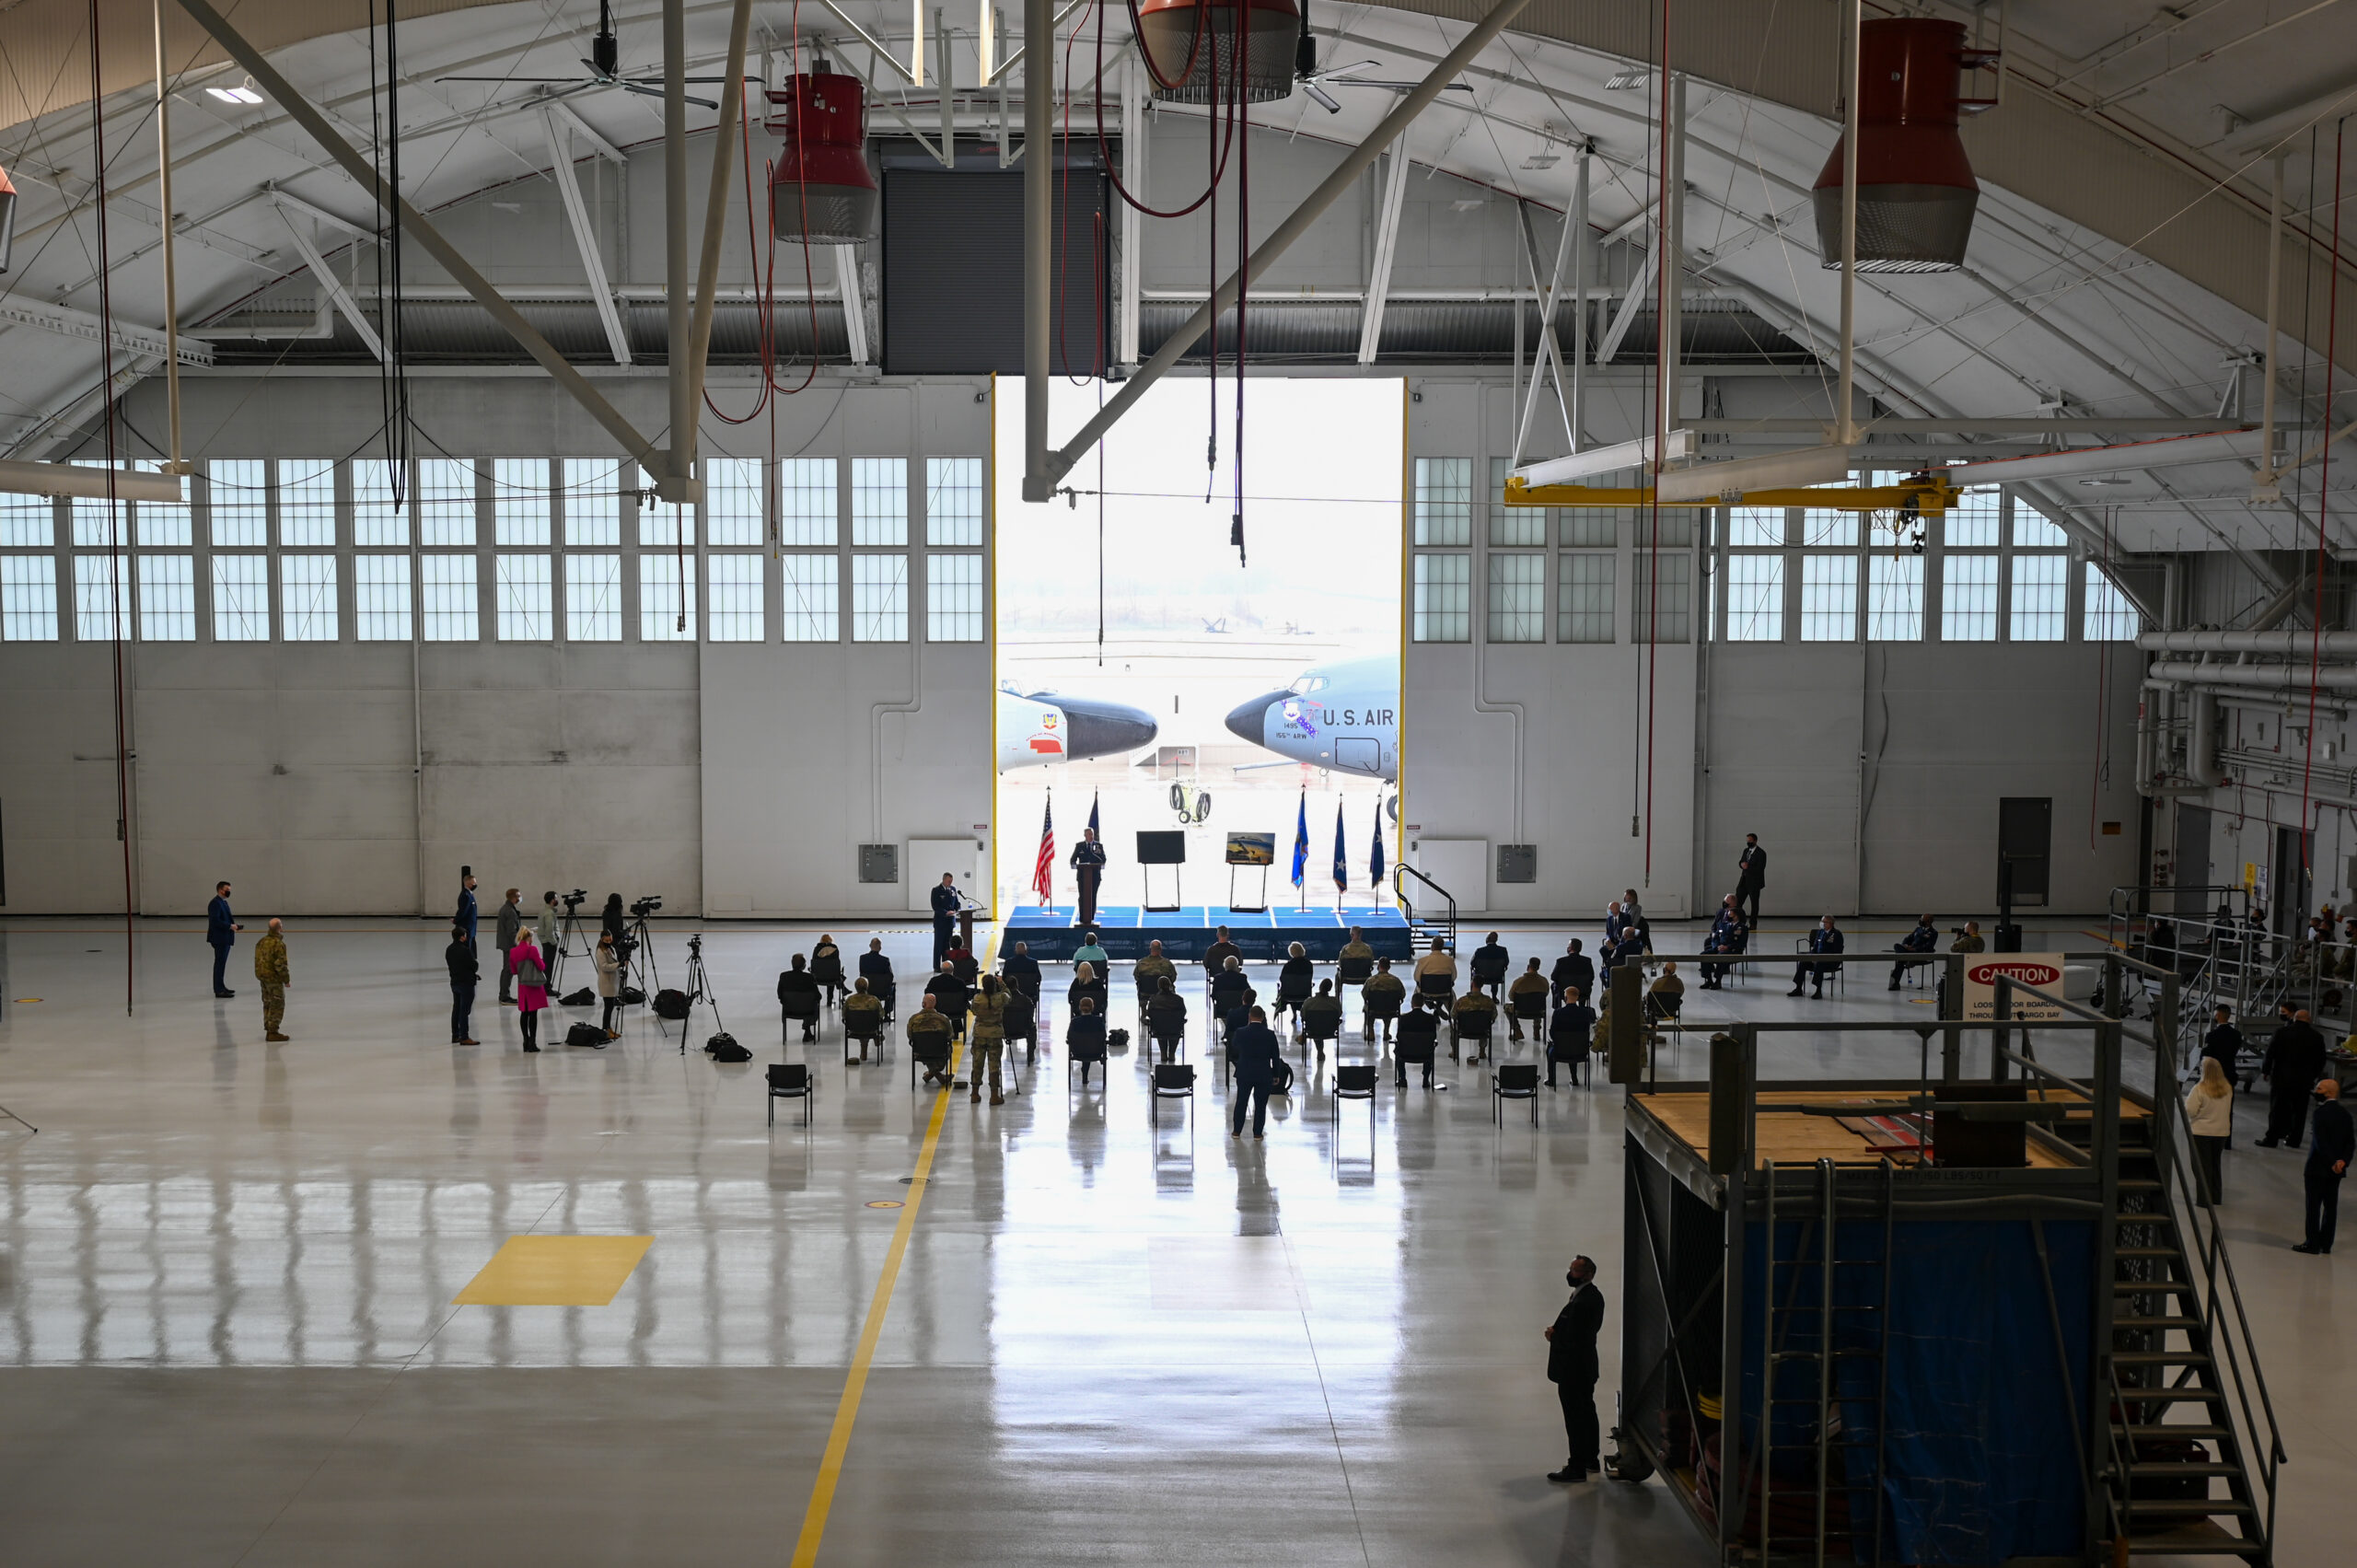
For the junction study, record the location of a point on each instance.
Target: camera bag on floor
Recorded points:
(585, 998)
(1280, 1079)
(723, 1047)
(1117, 1040)
(588, 1034)
(633, 996)
(673, 1005)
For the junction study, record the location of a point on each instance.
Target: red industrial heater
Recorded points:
(821, 192)
(1916, 193)
(1184, 39)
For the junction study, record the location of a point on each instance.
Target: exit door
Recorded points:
(2026, 843)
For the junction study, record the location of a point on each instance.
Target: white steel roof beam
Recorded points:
(585, 237)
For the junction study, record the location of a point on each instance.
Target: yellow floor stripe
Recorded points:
(831, 1466)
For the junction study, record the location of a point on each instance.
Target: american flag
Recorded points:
(1043, 873)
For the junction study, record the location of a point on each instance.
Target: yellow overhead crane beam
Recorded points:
(1913, 495)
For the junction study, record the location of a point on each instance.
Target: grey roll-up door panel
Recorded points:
(953, 272)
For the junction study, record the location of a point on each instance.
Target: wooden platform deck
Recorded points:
(1804, 1140)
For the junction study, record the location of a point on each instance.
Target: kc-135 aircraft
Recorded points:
(1047, 727)
(1344, 716)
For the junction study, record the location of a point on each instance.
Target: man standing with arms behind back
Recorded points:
(1572, 1367)
(221, 930)
(2330, 1152)
(269, 968)
(1751, 876)
(945, 916)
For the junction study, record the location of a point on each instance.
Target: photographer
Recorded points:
(546, 930)
(608, 959)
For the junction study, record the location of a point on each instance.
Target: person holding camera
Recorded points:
(510, 927)
(609, 985)
(547, 931)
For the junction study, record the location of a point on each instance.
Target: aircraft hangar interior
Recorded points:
(1798, 545)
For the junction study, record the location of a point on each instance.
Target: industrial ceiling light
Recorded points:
(1916, 193)
(1183, 39)
(1626, 78)
(1637, 454)
(2125, 458)
(243, 93)
(821, 190)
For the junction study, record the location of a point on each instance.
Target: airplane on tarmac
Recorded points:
(1343, 716)
(1047, 727)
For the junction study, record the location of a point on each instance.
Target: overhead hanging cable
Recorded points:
(116, 529)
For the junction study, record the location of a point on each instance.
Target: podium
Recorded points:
(966, 928)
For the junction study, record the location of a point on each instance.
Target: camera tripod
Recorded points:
(697, 980)
(642, 955)
(565, 934)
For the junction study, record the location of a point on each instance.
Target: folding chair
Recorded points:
(799, 1011)
(1514, 1080)
(1172, 1080)
(790, 1080)
(1078, 1056)
(1385, 1011)
(1419, 1056)
(1531, 1008)
(1321, 1031)
(1437, 988)
(1459, 1036)
(916, 1061)
(860, 1034)
(1354, 1082)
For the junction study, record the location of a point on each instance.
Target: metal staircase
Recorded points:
(1428, 922)
(2194, 1445)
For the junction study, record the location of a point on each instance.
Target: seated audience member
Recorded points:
(1087, 981)
(1419, 1042)
(1166, 1018)
(1573, 968)
(877, 969)
(1569, 1031)
(1380, 1000)
(1021, 971)
(1215, 956)
(1149, 972)
(1526, 999)
(1476, 1016)
(1293, 982)
(798, 997)
(1826, 938)
(863, 1017)
(1924, 938)
(1491, 962)
(1321, 1015)
(929, 1041)
(1085, 1038)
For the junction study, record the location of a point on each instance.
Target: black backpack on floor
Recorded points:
(585, 998)
(633, 996)
(1280, 1079)
(723, 1047)
(588, 1034)
(673, 1005)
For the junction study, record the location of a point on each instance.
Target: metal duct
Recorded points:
(2286, 643)
(2202, 762)
(2270, 677)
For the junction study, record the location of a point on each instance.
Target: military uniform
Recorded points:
(269, 968)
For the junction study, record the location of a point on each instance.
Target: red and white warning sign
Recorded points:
(2043, 972)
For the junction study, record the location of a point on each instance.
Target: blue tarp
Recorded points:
(1979, 1458)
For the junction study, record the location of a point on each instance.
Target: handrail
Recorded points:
(1400, 875)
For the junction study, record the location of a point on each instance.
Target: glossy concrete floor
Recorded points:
(226, 1270)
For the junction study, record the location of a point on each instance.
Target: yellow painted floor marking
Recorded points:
(555, 1270)
(830, 1467)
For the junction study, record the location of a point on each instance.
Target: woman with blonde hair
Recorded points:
(2210, 1110)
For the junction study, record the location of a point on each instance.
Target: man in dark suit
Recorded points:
(1088, 870)
(945, 917)
(1021, 971)
(2295, 1055)
(876, 971)
(2330, 1152)
(1572, 1367)
(221, 930)
(1252, 1050)
(1573, 972)
(1751, 876)
(466, 911)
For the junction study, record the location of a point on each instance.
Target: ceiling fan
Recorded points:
(1314, 82)
(603, 60)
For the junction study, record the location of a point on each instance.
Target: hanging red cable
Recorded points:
(2324, 498)
(1105, 151)
(115, 528)
(1664, 276)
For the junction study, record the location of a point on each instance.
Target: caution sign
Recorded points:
(2041, 970)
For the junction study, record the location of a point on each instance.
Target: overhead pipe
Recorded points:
(2268, 676)
(2201, 765)
(2292, 642)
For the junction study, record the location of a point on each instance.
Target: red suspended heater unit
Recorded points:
(821, 190)
(1169, 32)
(1916, 193)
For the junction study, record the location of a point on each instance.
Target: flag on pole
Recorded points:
(1301, 839)
(1093, 826)
(1342, 852)
(1043, 871)
(1375, 859)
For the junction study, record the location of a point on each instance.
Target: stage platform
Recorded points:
(1123, 931)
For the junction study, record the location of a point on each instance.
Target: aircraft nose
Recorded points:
(1249, 721)
(1106, 729)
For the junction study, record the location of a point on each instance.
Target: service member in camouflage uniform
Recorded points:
(270, 968)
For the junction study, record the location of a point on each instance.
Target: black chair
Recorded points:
(1353, 971)
(1837, 971)
(889, 994)
(1172, 1080)
(916, 1060)
(1078, 1054)
(1514, 1080)
(1463, 1032)
(1377, 1010)
(1354, 1082)
(828, 973)
(862, 1028)
(1416, 1053)
(1912, 969)
(1321, 1029)
(1020, 1021)
(1438, 988)
(790, 1080)
(1530, 1007)
(799, 1008)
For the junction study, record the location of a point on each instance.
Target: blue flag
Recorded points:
(1341, 853)
(1301, 839)
(1375, 860)
(1093, 826)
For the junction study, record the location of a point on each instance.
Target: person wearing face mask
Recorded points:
(1572, 1367)
(2330, 1152)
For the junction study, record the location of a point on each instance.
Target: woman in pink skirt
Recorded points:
(531, 988)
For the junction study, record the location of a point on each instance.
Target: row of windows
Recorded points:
(1441, 606)
(156, 597)
(456, 504)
